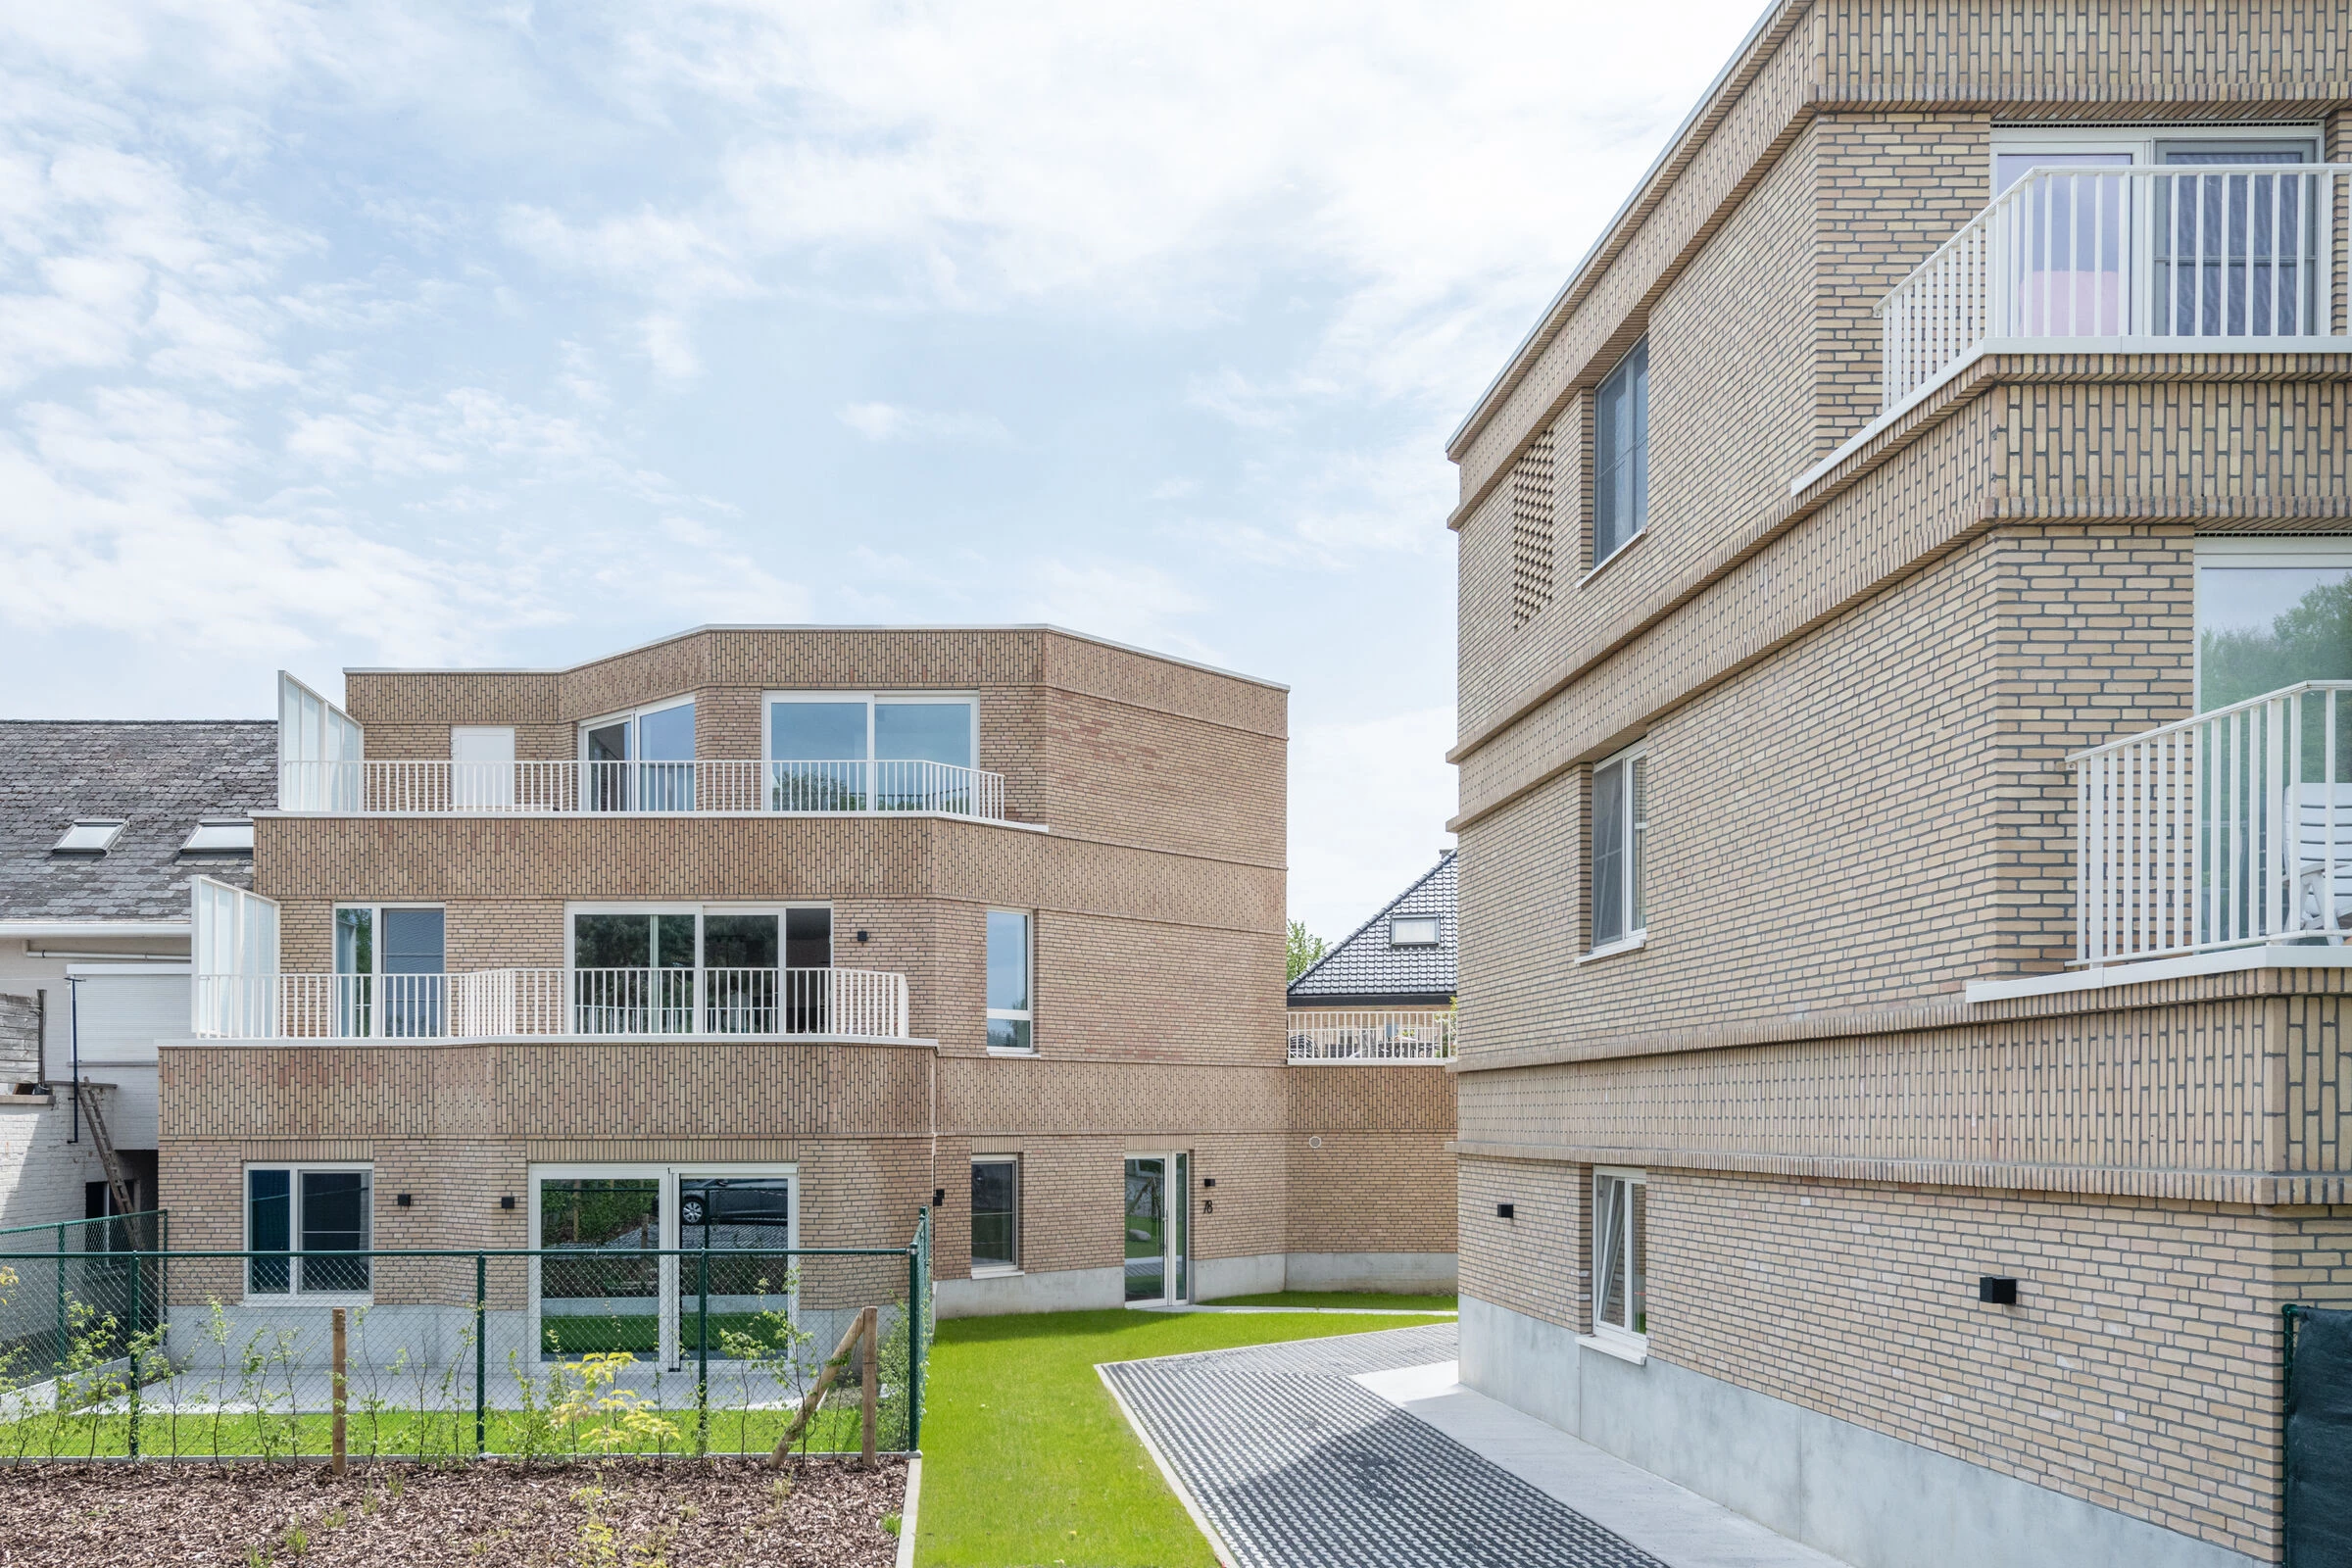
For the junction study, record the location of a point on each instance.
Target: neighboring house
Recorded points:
(1819, 991)
(1384, 998)
(816, 925)
(102, 828)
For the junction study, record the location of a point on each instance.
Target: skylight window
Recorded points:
(89, 835)
(221, 835)
(1413, 931)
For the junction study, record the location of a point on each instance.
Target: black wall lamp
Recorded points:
(939, 1197)
(1998, 1288)
(402, 1199)
(1505, 1210)
(507, 1202)
(861, 936)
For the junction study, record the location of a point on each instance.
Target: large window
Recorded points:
(687, 970)
(2270, 612)
(641, 760)
(1621, 1255)
(996, 1213)
(1009, 1009)
(1620, 831)
(1621, 455)
(870, 752)
(296, 1211)
(389, 963)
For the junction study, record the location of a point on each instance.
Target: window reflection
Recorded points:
(2260, 628)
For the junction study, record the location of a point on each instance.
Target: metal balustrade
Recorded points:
(2246, 253)
(1339, 1034)
(493, 1002)
(2228, 829)
(439, 786)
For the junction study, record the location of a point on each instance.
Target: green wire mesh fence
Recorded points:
(615, 1348)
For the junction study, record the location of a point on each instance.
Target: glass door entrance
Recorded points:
(1158, 1228)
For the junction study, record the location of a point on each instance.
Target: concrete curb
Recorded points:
(1330, 1311)
(914, 1497)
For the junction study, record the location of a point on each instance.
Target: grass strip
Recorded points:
(1370, 1301)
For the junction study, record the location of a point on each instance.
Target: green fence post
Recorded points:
(914, 1332)
(138, 1274)
(58, 1360)
(481, 1354)
(701, 1342)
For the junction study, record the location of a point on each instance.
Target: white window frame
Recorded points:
(1592, 478)
(2326, 552)
(1026, 1015)
(1437, 930)
(872, 700)
(775, 906)
(2140, 141)
(670, 1278)
(1621, 1340)
(375, 926)
(295, 1170)
(993, 1270)
(631, 717)
(1636, 840)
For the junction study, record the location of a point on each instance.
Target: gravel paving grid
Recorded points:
(1298, 1467)
(495, 1515)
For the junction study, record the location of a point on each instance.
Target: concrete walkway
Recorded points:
(1362, 1451)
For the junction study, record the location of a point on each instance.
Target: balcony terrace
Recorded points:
(490, 1003)
(2207, 258)
(708, 786)
(1352, 1034)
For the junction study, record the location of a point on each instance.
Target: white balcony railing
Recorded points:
(488, 1003)
(1335, 1034)
(2226, 830)
(712, 785)
(2243, 251)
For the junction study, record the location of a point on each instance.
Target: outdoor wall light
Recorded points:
(1997, 1289)
(1504, 1210)
(507, 1202)
(861, 936)
(939, 1197)
(402, 1201)
(1208, 1181)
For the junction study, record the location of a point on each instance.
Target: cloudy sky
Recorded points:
(495, 334)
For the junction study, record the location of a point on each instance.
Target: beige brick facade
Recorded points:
(1857, 683)
(1144, 837)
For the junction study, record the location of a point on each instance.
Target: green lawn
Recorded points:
(1381, 1301)
(1028, 1464)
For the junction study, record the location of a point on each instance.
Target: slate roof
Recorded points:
(158, 778)
(1364, 971)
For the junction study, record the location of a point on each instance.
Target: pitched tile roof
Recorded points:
(158, 777)
(1365, 971)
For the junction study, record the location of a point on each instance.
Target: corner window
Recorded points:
(1619, 827)
(870, 752)
(1413, 931)
(302, 1212)
(996, 1213)
(1009, 1001)
(1621, 455)
(389, 963)
(1620, 1254)
(642, 760)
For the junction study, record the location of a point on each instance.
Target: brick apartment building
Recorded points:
(1886, 883)
(812, 926)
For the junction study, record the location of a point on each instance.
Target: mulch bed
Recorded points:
(617, 1513)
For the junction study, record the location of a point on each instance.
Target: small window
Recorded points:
(1620, 829)
(1413, 931)
(221, 835)
(300, 1211)
(1621, 455)
(996, 1213)
(1008, 1001)
(1621, 1254)
(89, 835)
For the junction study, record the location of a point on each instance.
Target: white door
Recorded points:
(481, 767)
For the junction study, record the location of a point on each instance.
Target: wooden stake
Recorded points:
(339, 1389)
(874, 1379)
(824, 1380)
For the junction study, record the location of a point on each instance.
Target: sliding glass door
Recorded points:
(1158, 1229)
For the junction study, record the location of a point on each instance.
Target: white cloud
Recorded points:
(1127, 601)
(889, 422)
(1369, 802)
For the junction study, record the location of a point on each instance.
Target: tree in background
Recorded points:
(1306, 949)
